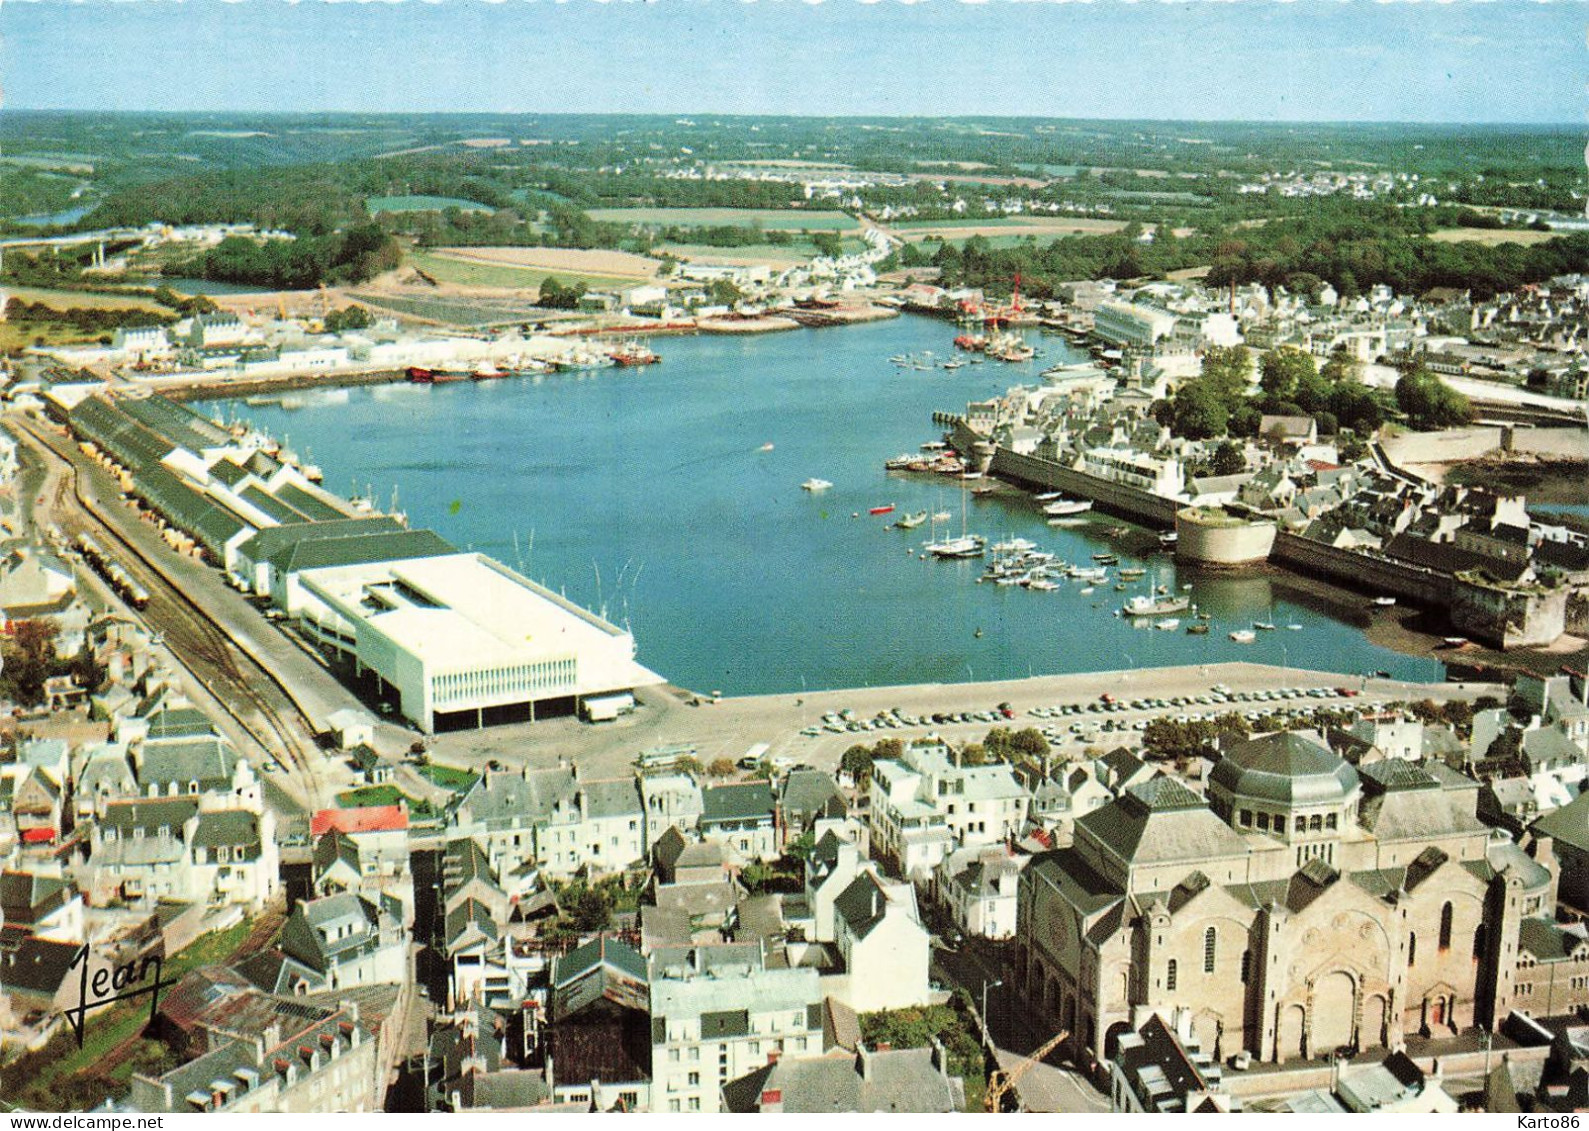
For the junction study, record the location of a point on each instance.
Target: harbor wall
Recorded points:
(1566, 443)
(1367, 574)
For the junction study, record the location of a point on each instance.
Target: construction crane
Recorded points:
(1000, 1082)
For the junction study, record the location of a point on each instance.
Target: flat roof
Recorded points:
(466, 612)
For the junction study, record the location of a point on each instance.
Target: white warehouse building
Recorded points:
(461, 640)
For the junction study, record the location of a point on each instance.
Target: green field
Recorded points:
(423, 204)
(445, 269)
(448, 777)
(790, 220)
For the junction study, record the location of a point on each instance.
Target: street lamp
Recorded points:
(986, 986)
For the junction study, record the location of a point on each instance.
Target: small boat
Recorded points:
(1044, 583)
(765, 448)
(955, 364)
(1132, 573)
(1068, 507)
(487, 371)
(941, 516)
(1106, 559)
(1293, 628)
(899, 463)
(1384, 602)
(983, 491)
(1455, 641)
(934, 446)
(1048, 496)
(1198, 629)
(1013, 546)
(1169, 625)
(1168, 538)
(1141, 606)
(633, 353)
(911, 521)
(1069, 523)
(1244, 636)
(815, 485)
(1263, 626)
(887, 508)
(965, 546)
(1085, 591)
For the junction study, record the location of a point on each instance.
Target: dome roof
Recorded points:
(1285, 768)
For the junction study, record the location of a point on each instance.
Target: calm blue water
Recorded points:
(192, 287)
(646, 493)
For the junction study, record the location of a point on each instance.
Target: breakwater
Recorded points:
(1365, 573)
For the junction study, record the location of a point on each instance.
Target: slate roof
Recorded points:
(149, 814)
(1568, 825)
(806, 792)
(360, 549)
(206, 759)
(303, 937)
(266, 544)
(236, 829)
(26, 897)
(899, 1080)
(308, 503)
(38, 967)
(738, 803)
(1154, 822)
(1284, 767)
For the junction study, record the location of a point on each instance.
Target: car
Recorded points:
(748, 763)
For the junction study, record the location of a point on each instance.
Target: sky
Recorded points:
(1268, 60)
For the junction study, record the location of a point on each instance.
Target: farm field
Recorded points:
(1491, 237)
(423, 204)
(558, 260)
(471, 273)
(1007, 225)
(95, 300)
(775, 255)
(785, 220)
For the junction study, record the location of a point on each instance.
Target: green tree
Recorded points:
(1284, 371)
(857, 762)
(1228, 459)
(1029, 743)
(1227, 370)
(29, 654)
(1429, 402)
(592, 911)
(1199, 413)
(974, 754)
(829, 244)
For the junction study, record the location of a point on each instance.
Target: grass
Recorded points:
(383, 795)
(66, 299)
(445, 269)
(791, 220)
(423, 204)
(62, 1076)
(449, 777)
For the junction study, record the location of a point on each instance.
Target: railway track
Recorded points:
(249, 692)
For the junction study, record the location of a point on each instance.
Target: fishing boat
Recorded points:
(1244, 636)
(886, 508)
(633, 353)
(911, 521)
(1198, 629)
(1152, 606)
(487, 371)
(1068, 507)
(815, 485)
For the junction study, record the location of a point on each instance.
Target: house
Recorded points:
(671, 800)
(599, 1036)
(885, 948)
(927, 792)
(718, 1012)
(740, 815)
(865, 1081)
(344, 940)
(978, 887)
(1158, 1069)
(806, 796)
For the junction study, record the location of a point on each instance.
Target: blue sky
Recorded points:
(1467, 60)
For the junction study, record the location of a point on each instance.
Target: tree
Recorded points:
(720, 768)
(1029, 742)
(857, 762)
(1228, 459)
(725, 293)
(1200, 412)
(1284, 370)
(592, 911)
(974, 754)
(29, 655)
(1227, 369)
(829, 244)
(1429, 402)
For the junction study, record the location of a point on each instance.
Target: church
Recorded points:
(1303, 906)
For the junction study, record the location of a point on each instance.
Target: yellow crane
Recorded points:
(1000, 1081)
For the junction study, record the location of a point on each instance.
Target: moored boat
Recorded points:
(911, 521)
(1145, 606)
(816, 485)
(1068, 507)
(887, 508)
(1244, 636)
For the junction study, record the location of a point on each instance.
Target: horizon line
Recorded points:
(752, 114)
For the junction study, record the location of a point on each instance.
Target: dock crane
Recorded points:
(1000, 1082)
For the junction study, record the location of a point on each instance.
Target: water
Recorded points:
(56, 219)
(646, 494)
(191, 287)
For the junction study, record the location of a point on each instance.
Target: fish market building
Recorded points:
(460, 640)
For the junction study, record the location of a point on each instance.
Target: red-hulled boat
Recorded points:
(889, 509)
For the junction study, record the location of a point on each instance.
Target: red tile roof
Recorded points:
(368, 819)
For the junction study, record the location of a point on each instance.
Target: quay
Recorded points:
(730, 726)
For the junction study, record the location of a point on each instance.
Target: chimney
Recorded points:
(940, 1058)
(863, 1061)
